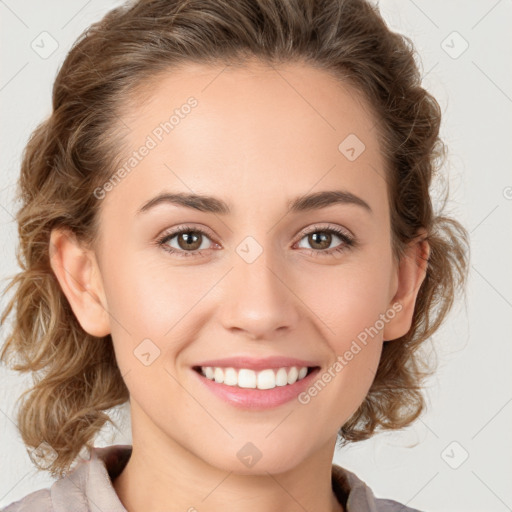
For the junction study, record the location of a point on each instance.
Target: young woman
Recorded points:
(226, 221)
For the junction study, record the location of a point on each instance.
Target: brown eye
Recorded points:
(320, 240)
(189, 241)
(185, 242)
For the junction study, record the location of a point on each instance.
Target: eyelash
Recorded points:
(348, 241)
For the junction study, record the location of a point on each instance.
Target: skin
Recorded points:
(257, 138)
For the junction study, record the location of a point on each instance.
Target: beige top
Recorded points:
(88, 488)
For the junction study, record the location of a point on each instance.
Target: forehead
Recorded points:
(278, 131)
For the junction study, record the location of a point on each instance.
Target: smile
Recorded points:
(256, 390)
(250, 379)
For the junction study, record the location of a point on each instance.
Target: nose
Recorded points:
(258, 299)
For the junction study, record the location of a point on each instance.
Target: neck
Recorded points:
(161, 473)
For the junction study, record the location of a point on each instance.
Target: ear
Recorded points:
(409, 276)
(79, 276)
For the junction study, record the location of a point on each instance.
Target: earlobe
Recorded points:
(79, 277)
(411, 273)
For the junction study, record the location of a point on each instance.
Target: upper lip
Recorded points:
(257, 363)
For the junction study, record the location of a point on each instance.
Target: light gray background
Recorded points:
(470, 398)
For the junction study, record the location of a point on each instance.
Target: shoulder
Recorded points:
(357, 496)
(88, 486)
(384, 505)
(38, 500)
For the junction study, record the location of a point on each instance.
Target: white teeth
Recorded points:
(282, 377)
(230, 377)
(218, 375)
(293, 375)
(266, 379)
(245, 378)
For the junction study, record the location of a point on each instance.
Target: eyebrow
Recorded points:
(210, 204)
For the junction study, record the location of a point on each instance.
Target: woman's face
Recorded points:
(261, 280)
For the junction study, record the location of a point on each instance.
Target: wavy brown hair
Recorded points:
(77, 148)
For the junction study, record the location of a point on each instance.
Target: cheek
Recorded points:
(351, 307)
(350, 302)
(149, 299)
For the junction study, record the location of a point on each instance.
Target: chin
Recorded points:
(249, 460)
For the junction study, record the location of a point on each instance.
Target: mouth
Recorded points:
(248, 389)
(247, 378)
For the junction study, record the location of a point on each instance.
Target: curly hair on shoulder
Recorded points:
(76, 149)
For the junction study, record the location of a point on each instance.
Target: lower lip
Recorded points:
(257, 399)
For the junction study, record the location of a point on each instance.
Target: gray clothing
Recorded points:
(88, 488)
